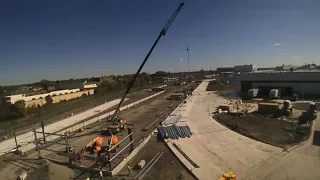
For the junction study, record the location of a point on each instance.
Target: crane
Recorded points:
(163, 32)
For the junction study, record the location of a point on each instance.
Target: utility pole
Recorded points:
(188, 62)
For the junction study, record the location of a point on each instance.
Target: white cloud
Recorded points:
(277, 44)
(295, 56)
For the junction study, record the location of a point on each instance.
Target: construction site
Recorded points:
(151, 140)
(78, 150)
(194, 130)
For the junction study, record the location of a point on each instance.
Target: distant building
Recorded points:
(285, 67)
(26, 97)
(225, 70)
(104, 79)
(304, 83)
(90, 86)
(170, 79)
(209, 76)
(76, 85)
(245, 68)
(51, 88)
(35, 89)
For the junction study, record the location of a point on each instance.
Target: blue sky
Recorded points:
(71, 39)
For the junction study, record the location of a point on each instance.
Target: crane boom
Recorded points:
(162, 33)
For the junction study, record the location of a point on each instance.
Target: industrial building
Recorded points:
(12, 99)
(238, 69)
(245, 68)
(76, 85)
(303, 83)
(222, 70)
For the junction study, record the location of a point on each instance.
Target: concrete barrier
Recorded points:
(131, 155)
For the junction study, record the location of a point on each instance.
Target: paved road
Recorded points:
(213, 147)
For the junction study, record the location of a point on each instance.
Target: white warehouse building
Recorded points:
(303, 83)
(12, 99)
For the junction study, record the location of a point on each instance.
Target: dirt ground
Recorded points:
(167, 167)
(139, 116)
(266, 129)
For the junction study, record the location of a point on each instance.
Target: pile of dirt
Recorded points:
(269, 130)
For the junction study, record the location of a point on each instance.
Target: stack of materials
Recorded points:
(172, 119)
(174, 132)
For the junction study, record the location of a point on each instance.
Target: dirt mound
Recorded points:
(269, 130)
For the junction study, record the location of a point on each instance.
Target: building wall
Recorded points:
(57, 99)
(311, 89)
(89, 86)
(225, 69)
(245, 68)
(35, 103)
(18, 97)
(302, 83)
(281, 76)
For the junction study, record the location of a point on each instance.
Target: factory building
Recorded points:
(245, 68)
(25, 97)
(303, 83)
(238, 69)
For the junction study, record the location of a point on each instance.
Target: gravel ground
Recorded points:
(269, 130)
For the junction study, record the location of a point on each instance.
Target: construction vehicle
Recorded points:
(228, 176)
(92, 146)
(117, 126)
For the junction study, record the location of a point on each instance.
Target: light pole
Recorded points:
(188, 63)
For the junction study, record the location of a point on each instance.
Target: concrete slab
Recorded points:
(302, 162)
(213, 147)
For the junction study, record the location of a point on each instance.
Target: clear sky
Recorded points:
(62, 39)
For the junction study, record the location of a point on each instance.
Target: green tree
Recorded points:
(44, 84)
(49, 100)
(19, 108)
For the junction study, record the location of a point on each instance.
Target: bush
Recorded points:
(49, 100)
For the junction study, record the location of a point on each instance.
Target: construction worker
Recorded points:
(129, 170)
(101, 174)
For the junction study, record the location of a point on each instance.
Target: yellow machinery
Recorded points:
(228, 176)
